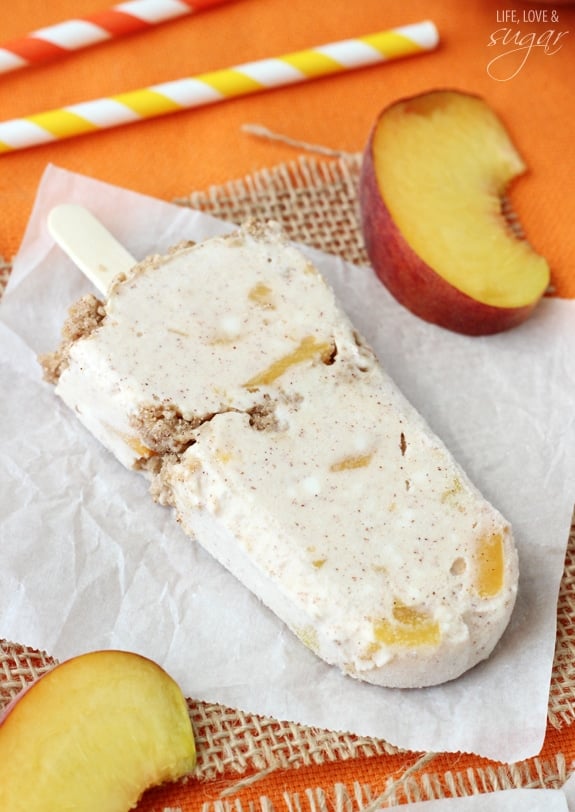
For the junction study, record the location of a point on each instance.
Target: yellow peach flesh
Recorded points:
(138, 447)
(261, 295)
(443, 163)
(410, 627)
(351, 463)
(490, 566)
(92, 735)
(307, 349)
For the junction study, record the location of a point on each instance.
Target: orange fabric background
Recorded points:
(192, 150)
(370, 771)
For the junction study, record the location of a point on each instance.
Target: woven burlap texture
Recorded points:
(315, 201)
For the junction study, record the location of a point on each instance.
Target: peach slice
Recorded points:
(92, 735)
(434, 214)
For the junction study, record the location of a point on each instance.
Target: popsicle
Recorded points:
(228, 374)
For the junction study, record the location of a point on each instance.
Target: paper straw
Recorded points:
(47, 44)
(220, 85)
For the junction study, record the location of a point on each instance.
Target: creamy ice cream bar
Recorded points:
(228, 374)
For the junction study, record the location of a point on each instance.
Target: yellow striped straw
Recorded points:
(217, 86)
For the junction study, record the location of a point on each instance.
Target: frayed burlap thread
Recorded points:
(315, 200)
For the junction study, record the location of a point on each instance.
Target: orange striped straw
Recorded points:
(55, 41)
(217, 86)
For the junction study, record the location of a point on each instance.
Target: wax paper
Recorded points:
(511, 800)
(89, 561)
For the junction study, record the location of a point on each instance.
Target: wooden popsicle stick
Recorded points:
(89, 244)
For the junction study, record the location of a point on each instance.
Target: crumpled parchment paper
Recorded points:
(89, 561)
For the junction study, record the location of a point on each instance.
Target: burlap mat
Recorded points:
(315, 200)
